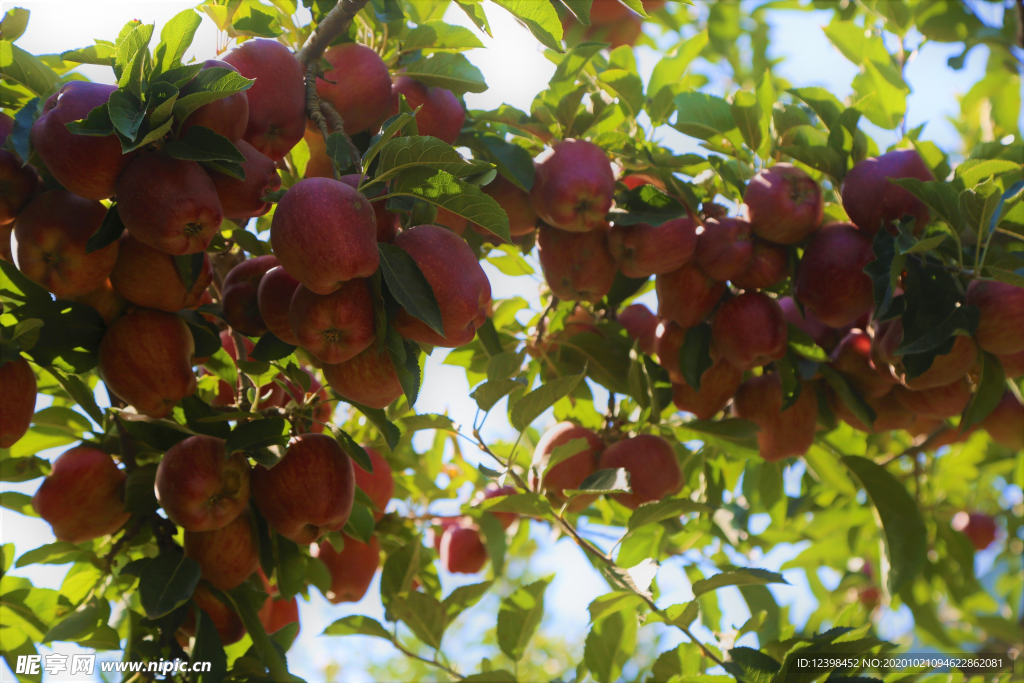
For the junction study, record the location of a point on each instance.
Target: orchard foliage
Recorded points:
(255, 255)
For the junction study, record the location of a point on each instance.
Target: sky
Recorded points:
(515, 67)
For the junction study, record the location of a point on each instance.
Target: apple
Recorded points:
(871, 201)
(51, 234)
(324, 234)
(724, 248)
(607, 12)
(227, 555)
(105, 300)
(145, 358)
(452, 221)
(823, 335)
(1005, 424)
(243, 199)
(830, 280)
(378, 485)
(945, 369)
(718, 384)
(640, 324)
(387, 222)
(643, 250)
(652, 466)
(87, 165)
(687, 296)
(1013, 365)
(239, 295)
(309, 492)
(274, 298)
(18, 181)
(750, 330)
(17, 400)
(1001, 318)
(936, 402)
(227, 116)
(149, 277)
(869, 596)
(977, 526)
(351, 570)
(852, 357)
(890, 414)
(769, 265)
(441, 114)
(83, 496)
(334, 327)
(522, 219)
(624, 32)
(169, 204)
(784, 204)
(462, 549)
(669, 337)
(569, 473)
(573, 187)
(460, 286)
(277, 100)
(357, 85)
(199, 486)
(443, 523)
(276, 612)
(227, 623)
(495, 491)
(368, 378)
(577, 266)
(783, 433)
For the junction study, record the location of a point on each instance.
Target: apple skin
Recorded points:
(750, 330)
(452, 221)
(937, 402)
(823, 335)
(51, 234)
(441, 115)
(239, 295)
(495, 491)
(945, 369)
(784, 204)
(1001, 319)
(227, 623)
(105, 300)
(607, 12)
(852, 357)
(577, 266)
(368, 378)
(435, 535)
(522, 219)
(148, 277)
(625, 32)
(227, 116)
(309, 492)
(361, 88)
(460, 286)
(243, 199)
(871, 200)
(687, 296)
(573, 188)
(669, 337)
(324, 234)
(335, 327)
(462, 550)
(570, 473)
(643, 250)
(169, 204)
(86, 165)
(228, 555)
(274, 297)
(277, 100)
(18, 181)
(830, 280)
(718, 385)
(199, 486)
(977, 526)
(769, 265)
(783, 433)
(652, 465)
(1013, 365)
(890, 414)
(725, 248)
(1005, 424)
(640, 324)
(17, 400)
(378, 485)
(83, 496)
(145, 358)
(387, 222)
(352, 569)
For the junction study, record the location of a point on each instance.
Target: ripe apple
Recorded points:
(243, 199)
(199, 486)
(830, 280)
(852, 357)
(105, 300)
(51, 233)
(869, 596)
(890, 414)
(643, 250)
(227, 116)
(368, 378)
(378, 485)
(1001, 319)
(452, 221)
(607, 12)
(358, 85)
(936, 402)
(387, 222)
(769, 265)
(145, 358)
(169, 204)
(462, 549)
(351, 570)
(977, 526)
(522, 219)
(18, 181)
(441, 115)
(573, 188)
(624, 32)
(239, 292)
(1005, 424)
(872, 201)
(227, 555)
(784, 204)
(668, 342)
(277, 100)
(569, 473)
(945, 369)
(87, 165)
(148, 277)
(640, 324)
(725, 248)
(652, 466)
(460, 286)
(750, 330)
(577, 266)
(83, 496)
(823, 335)
(495, 491)
(687, 296)
(17, 400)
(227, 623)
(442, 523)
(309, 492)
(333, 327)
(1013, 365)
(276, 612)
(274, 298)
(324, 234)
(783, 433)
(718, 384)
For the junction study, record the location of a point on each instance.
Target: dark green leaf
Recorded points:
(445, 191)
(202, 144)
(986, 397)
(251, 435)
(652, 513)
(167, 582)
(695, 354)
(739, 577)
(270, 348)
(139, 497)
(519, 617)
(110, 231)
(409, 286)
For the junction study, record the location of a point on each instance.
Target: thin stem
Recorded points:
(330, 27)
(432, 662)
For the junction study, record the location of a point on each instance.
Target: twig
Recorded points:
(432, 662)
(330, 27)
(543, 322)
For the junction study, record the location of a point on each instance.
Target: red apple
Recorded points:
(238, 295)
(830, 280)
(199, 486)
(243, 199)
(784, 204)
(668, 342)
(369, 378)
(624, 32)
(577, 266)
(522, 219)
(718, 384)
(607, 12)
(937, 402)
(18, 181)
(852, 357)
(945, 369)
(358, 85)
(1013, 365)
(377, 485)
(640, 324)
(148, 277)
(462, 550)
(724, 248)
(652, 466)
(871, 200)
(227, 623)
(573, 188)
(569, 473)
(227, 555)
(1005, 424)
(227, 116)
(83, 496)
(643, 250)
(890, 414)
(687, 296)
(823, 335)
(769, 265)
(750, 330)
(335, 327)
(274, 297)
(443, 523)
(441, 115)
(105, 300)
(17, 400)
(1001, 321)
(977, 526)
(351, 570)
(387, 222)
(783, 433)
(276, 612)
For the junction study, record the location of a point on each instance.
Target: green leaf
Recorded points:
(702, 116)
(540, 17)
(409, 286)
(519, 617)
(175, 37)
(494, 539)
(603, 481)
(399, 570)
(380, 420)
(257, 23)
(489, 393)
(1015, 278)
(512, 161)
(139, 497)
(209, 85)
(423, 614)
(110, 231)
(652, 513)
(14, 23)
(751, 666)
(419, 151)
(202, 144)
(28, 70)
(79, 622)
(750, 119)
(991, 385)
(357, 625)
(942, 198)
(449, 71)
(531, 406)
(974, 171)
(610, 644)
(79, 392)
(209, 649)
(60, 552)
(360, 524)
(906, 538)
(444, 190)
(824, 159)
(437, 36)
(848, 395)
(270, 348)
(824, 103)
(251, 435)
(889, 103)
(695, 354)
(527, 504)
(100, 54)
(19, 502)
(464, 597)
(671, 68)
(167, 582)
(804, 346)
(352, 449)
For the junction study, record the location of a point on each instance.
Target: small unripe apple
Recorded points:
(83, 496)
(337, 326)
(573, 187)
(871, 200)
(1001, 320)
(379, 484)
(351, 570)
(652, 466)
(149, 278)
(643, 250)
(199, 486)
(274, 298)
(640, 324)
(687, 296)
(750, 330)
(17, 400)
(783, 433)
(784, 204)
(830, 280)
(239, 295)
(977, 526)
(577, 266)
(724, 248)
(227, 555)
(462, 550)
(358, 85)
(569, 473)
(368, 378)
